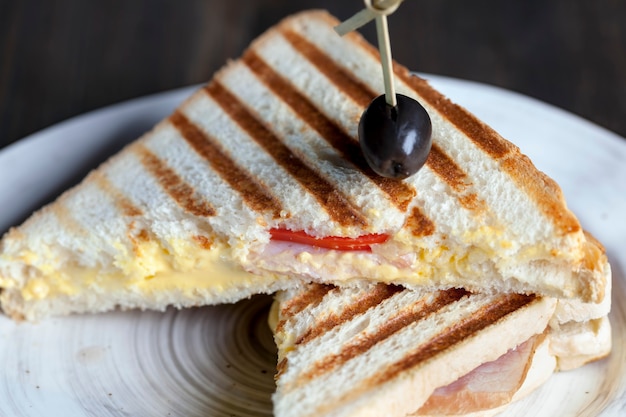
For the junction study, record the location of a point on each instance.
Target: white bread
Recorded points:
(382, 350)
(271, 142)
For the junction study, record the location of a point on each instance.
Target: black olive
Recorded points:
(395, 140)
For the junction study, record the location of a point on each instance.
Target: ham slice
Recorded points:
(491, 385)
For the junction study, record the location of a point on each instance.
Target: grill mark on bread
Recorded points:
(281, 367)
(254, 193)
(404, 318)
(134, 234)
(358, 91)
(311, 297)
(419, 224)
(371, 299)
(203, 241)
(400, 193)
(454, 176)
(122, 202)
(183, 194)
(126, 207)
(332, 200)
(66, 219)
(486, 316)
(314, 295)
(137, 236)
(446, 168)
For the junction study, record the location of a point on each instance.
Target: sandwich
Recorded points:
(256, 184)
(387, 350)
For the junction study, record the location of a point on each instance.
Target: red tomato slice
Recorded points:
(363, 242)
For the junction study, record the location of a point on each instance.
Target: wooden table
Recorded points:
(62, 58)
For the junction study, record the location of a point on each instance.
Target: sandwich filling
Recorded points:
(492, 384)
(430, 261)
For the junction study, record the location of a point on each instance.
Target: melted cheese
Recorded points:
(153, 269)
(188, 268)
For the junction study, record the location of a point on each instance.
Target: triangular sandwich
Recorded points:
(257, 183)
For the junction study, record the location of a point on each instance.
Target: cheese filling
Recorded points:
(152, 270)
(188, 267)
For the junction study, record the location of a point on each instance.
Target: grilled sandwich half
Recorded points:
(257, 183)
(385, 350)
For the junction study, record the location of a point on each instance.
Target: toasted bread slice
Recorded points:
(388, 349)
(186, 215)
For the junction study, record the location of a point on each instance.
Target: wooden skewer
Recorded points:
(384, 46)
(378, 10)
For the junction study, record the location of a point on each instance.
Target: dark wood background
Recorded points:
(62, 58)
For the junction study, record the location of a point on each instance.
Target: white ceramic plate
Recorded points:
(219, 361)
